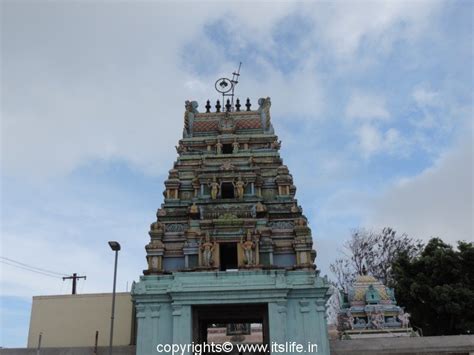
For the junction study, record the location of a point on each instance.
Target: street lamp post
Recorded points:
(115, 246)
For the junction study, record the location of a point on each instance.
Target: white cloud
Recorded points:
(436, 203)
(367, 114)
(379, 23)
(427, 100)
(392, 139)
(66, 230)
(433, 109)
(87, 95)
(370, 140)
(425, 96)
(367, 107)
(116, 91)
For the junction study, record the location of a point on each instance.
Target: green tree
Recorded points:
(437, 287)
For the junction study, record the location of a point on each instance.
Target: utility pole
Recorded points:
(74, 278)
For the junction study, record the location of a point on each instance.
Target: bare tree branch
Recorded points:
(375, 250)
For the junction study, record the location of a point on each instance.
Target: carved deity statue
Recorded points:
(207, 249)
(214, 185)
(251, 161)
(227, 124)
(194, 209)
(260, 207)
(219, 147)
(191, 110)
(275, 144)
(377, 320)
(253, 211)
(235, 147)
(180, 148)
(157, 227)
(248, 245)
(240, 187)
(226, 166)
(264, 108)
(196, 186)
(301, 222)
(404, 318)
(350, 320)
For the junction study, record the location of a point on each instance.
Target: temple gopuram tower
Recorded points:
(231, 255)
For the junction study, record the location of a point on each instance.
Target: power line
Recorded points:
(33, 267)
(24, 268)
(41, 271)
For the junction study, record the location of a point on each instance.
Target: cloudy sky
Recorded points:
(372, 100)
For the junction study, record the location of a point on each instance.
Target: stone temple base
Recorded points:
(379, 333)
(293, 303)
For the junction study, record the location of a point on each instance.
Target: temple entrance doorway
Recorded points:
(227, 149)
(227, 190)
(228, 256)
(236, 323)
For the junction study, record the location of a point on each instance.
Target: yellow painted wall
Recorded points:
(72, 320)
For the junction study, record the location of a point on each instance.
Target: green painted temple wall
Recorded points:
(296, 304)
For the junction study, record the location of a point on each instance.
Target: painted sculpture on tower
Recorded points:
(207, 248)
(214, 188)
(240, 188)
(248, 246)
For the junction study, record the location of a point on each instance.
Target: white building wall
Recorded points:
(72, 320)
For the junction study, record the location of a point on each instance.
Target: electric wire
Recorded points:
(33, 267)
(27, 269)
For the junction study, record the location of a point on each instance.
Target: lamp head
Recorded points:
(115, 246)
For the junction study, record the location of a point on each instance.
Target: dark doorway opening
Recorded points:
(227, 190)
(235, 323)
(228, 256)
(227, 149)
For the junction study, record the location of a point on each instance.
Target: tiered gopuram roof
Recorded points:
(229, 201)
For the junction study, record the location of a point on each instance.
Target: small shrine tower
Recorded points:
(370, 310)
(231, 255)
